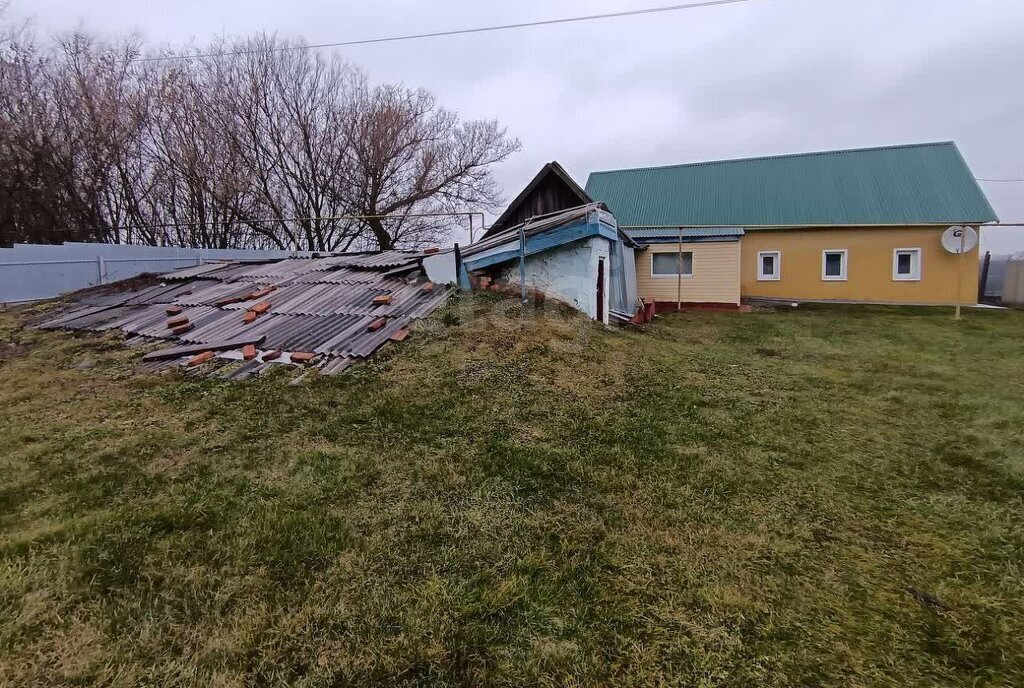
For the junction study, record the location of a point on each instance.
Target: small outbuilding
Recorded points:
(577, 256)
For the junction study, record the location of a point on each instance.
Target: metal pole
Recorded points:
(983, 280)
(960, 272)
(679, 278)
(522, 262)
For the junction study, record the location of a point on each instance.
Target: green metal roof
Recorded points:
(917, 184)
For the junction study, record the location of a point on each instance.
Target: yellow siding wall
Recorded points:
(716, 274)
(869, 266)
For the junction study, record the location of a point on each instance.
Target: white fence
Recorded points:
(29, 272)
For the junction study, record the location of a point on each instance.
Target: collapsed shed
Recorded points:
(328, 312)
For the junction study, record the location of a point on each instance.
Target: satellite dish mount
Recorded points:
(959, 240)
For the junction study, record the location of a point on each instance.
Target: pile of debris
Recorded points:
(323, 312)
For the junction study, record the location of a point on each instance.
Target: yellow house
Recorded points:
(859, 225)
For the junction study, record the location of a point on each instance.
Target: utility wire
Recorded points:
(458, 32)
(1000, 181)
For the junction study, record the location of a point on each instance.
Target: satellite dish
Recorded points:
(959, 239)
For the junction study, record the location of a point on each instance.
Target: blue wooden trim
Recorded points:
(545, 241)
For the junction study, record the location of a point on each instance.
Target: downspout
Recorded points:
(601, 307)
(461, 275)
(679, 279)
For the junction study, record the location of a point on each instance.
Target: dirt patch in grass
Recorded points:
(522, 497)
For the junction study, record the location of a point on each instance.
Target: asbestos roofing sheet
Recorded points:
(154, 322)
(144, 319)
(386, 259)
(325, 299)
(64, 317)
(345, 299)
(161, 293)
(281, 270)
(105, 299)
(197, 271)
(340, 276)
(322, 264)
(300, 332)
(100, 318)
(318, 306)
(359, 341)
(217, 324)
(209, 292)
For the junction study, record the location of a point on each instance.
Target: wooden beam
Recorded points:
(178, 351)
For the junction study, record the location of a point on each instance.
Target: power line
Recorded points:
(458, 32)
(1000, 181)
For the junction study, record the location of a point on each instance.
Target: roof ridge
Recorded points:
(780, 157)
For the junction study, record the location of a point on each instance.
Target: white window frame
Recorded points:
(761, 276)
(915, 264)
(845, 265)
(685, 275)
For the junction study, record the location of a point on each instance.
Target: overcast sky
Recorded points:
(757, 78)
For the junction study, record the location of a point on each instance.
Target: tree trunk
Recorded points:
(384, 242)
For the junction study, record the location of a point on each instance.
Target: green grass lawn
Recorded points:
(509, 499)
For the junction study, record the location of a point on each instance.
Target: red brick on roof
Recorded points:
(176, 322)
(248, 352)
(201, 358)
(377, 324)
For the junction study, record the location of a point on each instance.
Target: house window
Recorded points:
(906, 264)
(668, 264)
(833, 265)
(769, 266)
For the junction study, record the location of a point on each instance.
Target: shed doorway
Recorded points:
(600, 289)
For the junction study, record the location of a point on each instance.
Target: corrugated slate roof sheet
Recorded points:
(920, 184)
(322, 306)
(669, 233)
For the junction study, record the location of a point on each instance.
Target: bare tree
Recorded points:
(265, 143)
(407, 158)
(281, 109)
